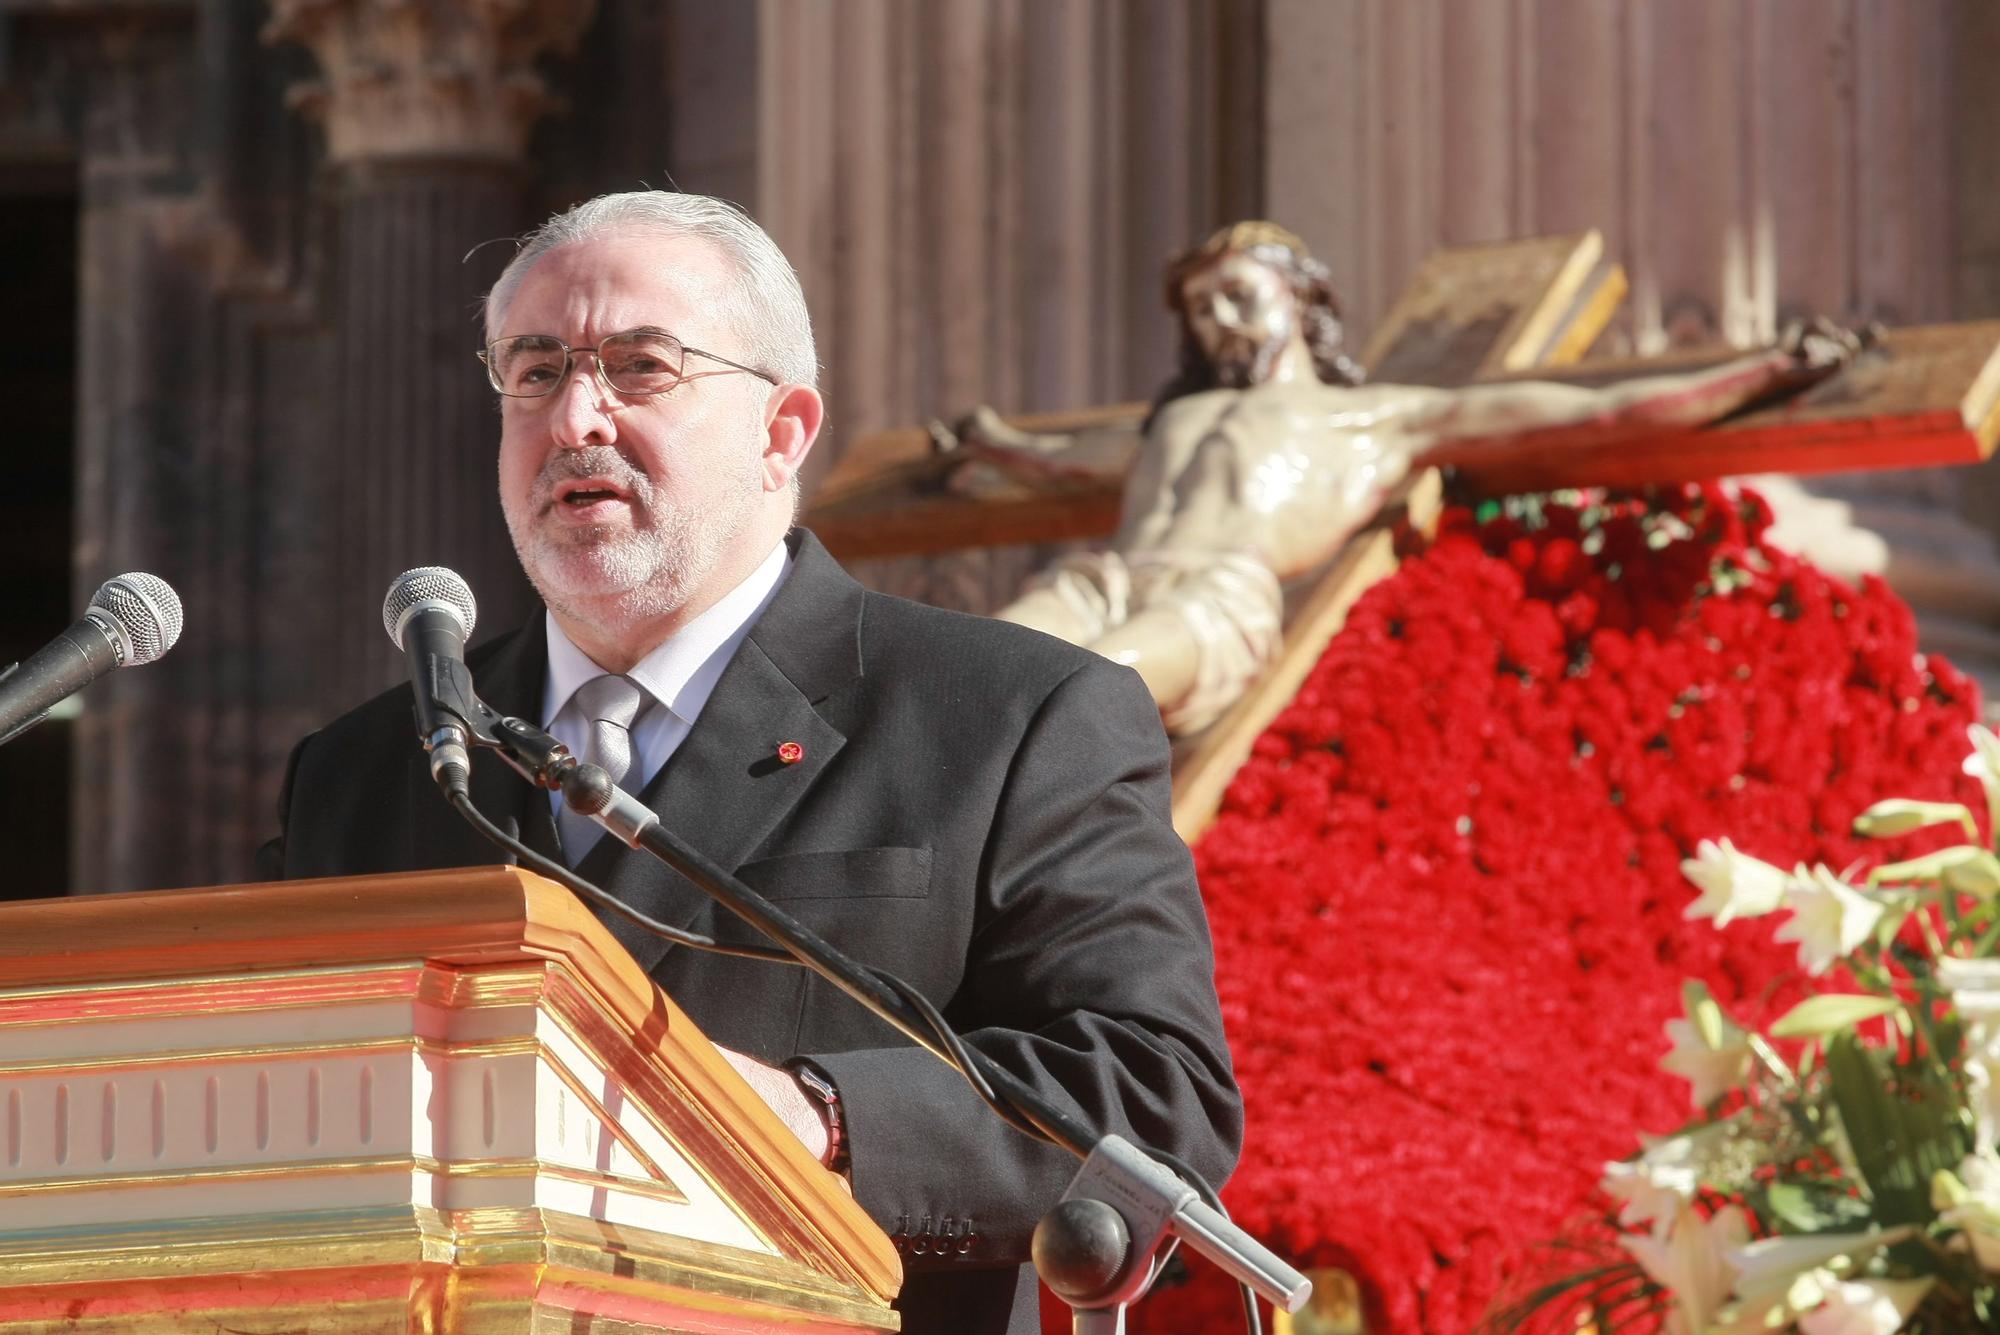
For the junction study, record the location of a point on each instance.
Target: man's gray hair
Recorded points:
(767, 307)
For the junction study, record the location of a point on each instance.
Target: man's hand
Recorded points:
(803, 1115)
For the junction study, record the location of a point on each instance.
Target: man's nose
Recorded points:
(585, 411)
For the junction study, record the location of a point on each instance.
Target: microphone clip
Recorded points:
(460, 717)
(587, 790)
(534, 754)
(466, 721)
(530, 752)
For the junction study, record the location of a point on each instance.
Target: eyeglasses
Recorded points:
(638, 361)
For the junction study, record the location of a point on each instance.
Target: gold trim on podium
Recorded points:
(435, 1101)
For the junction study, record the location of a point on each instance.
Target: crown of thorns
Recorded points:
(1255, 238)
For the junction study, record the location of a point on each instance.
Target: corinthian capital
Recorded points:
(427, 78)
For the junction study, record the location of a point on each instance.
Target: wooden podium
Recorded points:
(440, 1102)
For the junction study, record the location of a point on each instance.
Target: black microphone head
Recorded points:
(427, 586)
(587, 789)
(144, 615)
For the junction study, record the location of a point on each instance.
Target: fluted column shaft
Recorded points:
(415, 448)
(427, 106)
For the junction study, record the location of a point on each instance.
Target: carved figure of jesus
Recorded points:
(1267, 452)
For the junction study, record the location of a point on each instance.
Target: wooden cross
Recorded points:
(1530, 309)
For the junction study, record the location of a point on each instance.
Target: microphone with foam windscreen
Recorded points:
(430, 612)
(131, 619)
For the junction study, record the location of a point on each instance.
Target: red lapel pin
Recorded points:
(791, 753)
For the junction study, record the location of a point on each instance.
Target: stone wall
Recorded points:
(276, 407)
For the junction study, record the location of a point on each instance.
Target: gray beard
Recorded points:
(604, 579)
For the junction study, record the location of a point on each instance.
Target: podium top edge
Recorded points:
(476, 915)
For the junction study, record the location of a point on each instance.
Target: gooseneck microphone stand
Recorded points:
(1104, 1242)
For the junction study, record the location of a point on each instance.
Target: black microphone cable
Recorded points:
(604, 899)
(947, 1039)
(946, 1036)
(429, 612)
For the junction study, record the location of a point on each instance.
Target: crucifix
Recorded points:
(1267, 454)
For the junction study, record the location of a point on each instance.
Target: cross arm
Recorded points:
(1918, 397)
(1497, 416)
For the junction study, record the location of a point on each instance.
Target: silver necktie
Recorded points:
(610, 704)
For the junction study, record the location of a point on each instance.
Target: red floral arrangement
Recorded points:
(1446, 890)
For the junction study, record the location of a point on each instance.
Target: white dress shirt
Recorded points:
(678, 676)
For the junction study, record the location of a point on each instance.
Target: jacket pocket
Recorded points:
(852, 873)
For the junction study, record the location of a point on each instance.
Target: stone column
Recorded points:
(143, 471)
(978, 195)
(427, 107)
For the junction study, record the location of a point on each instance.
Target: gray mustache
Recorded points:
(604, 462)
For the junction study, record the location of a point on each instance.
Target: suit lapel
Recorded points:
(726, 788)
(509, 678)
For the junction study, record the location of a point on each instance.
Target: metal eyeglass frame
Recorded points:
(681, 375)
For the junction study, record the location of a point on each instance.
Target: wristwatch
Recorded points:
(820, 1086)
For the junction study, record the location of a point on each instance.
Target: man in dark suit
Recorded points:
(975, 807)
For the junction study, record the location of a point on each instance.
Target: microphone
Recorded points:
(131, 619)
(429, 612)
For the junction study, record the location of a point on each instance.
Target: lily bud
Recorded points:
(1967, 869)
(1947, 1192)
(1900, 815)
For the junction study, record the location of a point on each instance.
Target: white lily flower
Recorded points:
(1977, 1216)
(1756, 1318)
(1980, 1175)
(1981, 1094)
(1666, 1173)
(1691, 1262)
(1984, 765)
(1733, 885)
(1975, 993)
(1865, 1306)
(1969, 977)
(1710, 1051)
(1770, 1266)
(1830, 918)
(1649, 1195)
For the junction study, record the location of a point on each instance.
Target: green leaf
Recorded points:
(1901, 1132)
(1790, 1204)
(1948, 1037)
(1621, 1285)
(1831, 1012)
(1824, 1206)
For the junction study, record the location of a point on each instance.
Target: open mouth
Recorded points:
(583, 493)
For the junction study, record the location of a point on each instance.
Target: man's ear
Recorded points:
(794, 415)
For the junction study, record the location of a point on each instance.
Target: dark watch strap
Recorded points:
(820, 1085)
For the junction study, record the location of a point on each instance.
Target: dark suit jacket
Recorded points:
(980, 809)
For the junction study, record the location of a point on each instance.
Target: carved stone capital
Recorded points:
(427, 78)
